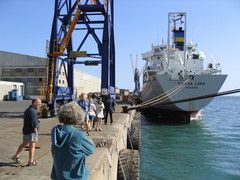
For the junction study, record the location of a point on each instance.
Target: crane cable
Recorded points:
(162, 97)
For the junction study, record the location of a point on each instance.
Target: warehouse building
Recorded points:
(30, 71)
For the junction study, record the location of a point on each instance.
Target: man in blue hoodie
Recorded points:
(70, 146)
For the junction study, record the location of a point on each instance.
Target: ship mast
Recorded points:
(177, 33)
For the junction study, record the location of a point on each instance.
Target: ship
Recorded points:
(175, 71)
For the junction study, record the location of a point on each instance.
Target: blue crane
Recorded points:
(92, 18)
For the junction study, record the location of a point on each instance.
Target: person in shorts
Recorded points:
(30, 132)
(84, 104)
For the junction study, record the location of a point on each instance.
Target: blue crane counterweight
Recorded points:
(70, 17)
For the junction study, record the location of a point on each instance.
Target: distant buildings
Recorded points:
(11, 90)
(30, 71)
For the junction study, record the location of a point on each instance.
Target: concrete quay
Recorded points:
(102, 164)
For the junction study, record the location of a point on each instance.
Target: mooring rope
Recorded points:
(188, 99)
(168, 96)
(166, 92)
(162, 97)
(205, 96)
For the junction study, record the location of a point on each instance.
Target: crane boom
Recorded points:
(68, 16)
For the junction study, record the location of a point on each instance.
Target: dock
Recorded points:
(103, 164)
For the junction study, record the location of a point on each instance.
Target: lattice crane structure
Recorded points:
(73, 23)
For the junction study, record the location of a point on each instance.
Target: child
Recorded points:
(91, 112)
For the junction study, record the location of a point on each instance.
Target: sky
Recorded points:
(213, 24)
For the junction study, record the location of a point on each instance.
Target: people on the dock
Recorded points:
(70, 146)
(91, 113)
(109, 108)
(30, 132)
(84, 104)
(99, 109)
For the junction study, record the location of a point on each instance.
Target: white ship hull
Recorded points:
(175, 71)
(199, 86)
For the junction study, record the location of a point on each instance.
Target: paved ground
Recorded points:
(11, 136)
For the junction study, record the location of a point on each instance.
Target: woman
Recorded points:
(91, 113)
(70, 146)
(100, 115)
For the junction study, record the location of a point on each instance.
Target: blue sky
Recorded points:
(214, 25)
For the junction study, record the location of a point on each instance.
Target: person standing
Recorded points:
(94, 98)
(91, 113)
(109, 108)
(30, 132)
(99, 109)
(84, 104)
(70, 146)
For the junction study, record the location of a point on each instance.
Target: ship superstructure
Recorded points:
(178, 65)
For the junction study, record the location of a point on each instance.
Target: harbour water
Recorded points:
(206, 149)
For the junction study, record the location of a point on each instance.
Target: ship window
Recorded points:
(195, 56)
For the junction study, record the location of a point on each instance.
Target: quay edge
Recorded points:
(103, 164)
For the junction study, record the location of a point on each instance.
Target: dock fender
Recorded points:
(133, 137)
(128, 165)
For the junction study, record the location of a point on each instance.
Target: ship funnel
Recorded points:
(177, 30)
(178, 38)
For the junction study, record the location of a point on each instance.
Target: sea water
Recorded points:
(206, 149)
